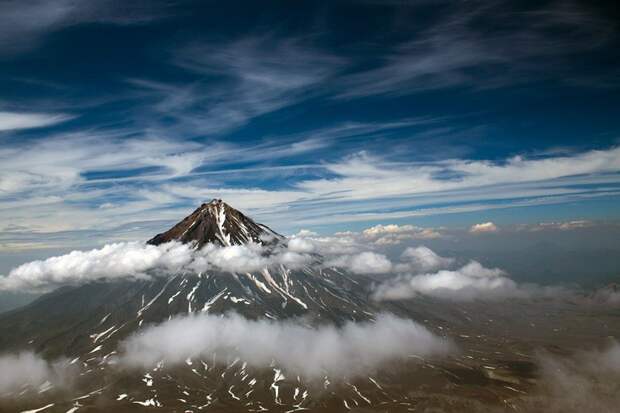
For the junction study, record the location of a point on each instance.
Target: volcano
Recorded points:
(61, 322)
(217, 223)
(86, 323)
(87, 327)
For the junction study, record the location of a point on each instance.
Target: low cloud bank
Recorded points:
(120, 260)
(586, 382)
(362, 263)
(18, 371)
(353, 349)
(472, 281)
(466, 283)
(608, 296)
(137, 260)
(418, 270)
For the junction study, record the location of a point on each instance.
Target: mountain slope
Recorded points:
(65, 322)
(86, 324)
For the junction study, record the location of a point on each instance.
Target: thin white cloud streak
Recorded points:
(24, 24)
(29, 369)
(21, 120)
(560, 226)
(362, 176)
(44, 184)
(242, 79)
(353, 349)
(354, 216)
(55, 170)
(452, 52)
(247, 197)
(56, 164)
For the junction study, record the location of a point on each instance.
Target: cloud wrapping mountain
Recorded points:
(112, 261)
(419, 271)
(353, 349)
(138, 260)
(135, 260)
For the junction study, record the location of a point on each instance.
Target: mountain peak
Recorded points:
(217, 222)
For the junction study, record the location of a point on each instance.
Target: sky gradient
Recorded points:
(117, 121)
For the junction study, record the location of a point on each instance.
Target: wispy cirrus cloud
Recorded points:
(23, 25)
(237, 81)
(363, 176)
(104, 180)
(10, 121)
(456, 50)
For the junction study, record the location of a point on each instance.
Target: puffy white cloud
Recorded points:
(483, 228)
(235, 258)
(29, 369)
(395, 234)
(140, 260)
(363, 263)
(119, 260)
(419, 259)
(352, 349)
(472, 281)
(387, 229)
(300, 245)
(339, 244)
(306, 233)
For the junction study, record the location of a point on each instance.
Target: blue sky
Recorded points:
(118, 118)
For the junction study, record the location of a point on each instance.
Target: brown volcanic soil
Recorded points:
(494, 369)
